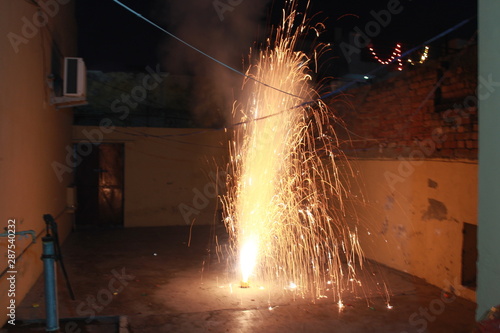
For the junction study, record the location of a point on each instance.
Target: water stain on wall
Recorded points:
(389, 202)
(385, 226)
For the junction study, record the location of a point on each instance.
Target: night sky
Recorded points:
(111, 38)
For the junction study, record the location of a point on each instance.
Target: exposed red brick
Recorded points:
(395, 112)
(450, 144)
(471, 144)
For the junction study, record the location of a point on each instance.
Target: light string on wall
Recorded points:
(423, 57)
(396, 55)
(323, 97)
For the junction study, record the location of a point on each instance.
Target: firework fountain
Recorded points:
(284, 210)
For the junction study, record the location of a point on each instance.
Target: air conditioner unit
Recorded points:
(75, 83)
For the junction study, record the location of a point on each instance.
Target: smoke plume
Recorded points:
(224, 29)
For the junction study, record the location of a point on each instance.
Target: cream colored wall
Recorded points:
(397, 224)
(410, 216)
(33, 134)
(170, 174)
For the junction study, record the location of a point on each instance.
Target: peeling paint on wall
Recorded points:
(431, 183)
(400, 230)
(436, 210)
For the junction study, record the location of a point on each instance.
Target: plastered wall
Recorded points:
(172, 176)
(416, 225)
(33, 135)
(412, 140)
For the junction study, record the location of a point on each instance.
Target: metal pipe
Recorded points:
(19, 256)
(30, 232)
(49, 274)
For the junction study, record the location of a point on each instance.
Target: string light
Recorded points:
(396, 54)
(423, 57)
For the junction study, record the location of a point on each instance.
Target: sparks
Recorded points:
(248, 257)
(284, 208)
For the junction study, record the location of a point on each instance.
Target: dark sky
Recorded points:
(111, 38)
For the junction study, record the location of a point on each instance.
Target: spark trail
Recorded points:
(284, 208)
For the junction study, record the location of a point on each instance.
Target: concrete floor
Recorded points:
(151, 280)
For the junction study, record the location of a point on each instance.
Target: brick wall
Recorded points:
(425, 111)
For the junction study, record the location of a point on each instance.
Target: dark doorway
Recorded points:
(469, 256)
(99, 185)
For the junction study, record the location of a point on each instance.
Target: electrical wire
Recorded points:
(201, 52)
(305, 103)
(169, 137)
(404, 54)
(335, 92)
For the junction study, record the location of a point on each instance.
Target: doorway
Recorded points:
(469, 256)
(99, 179)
